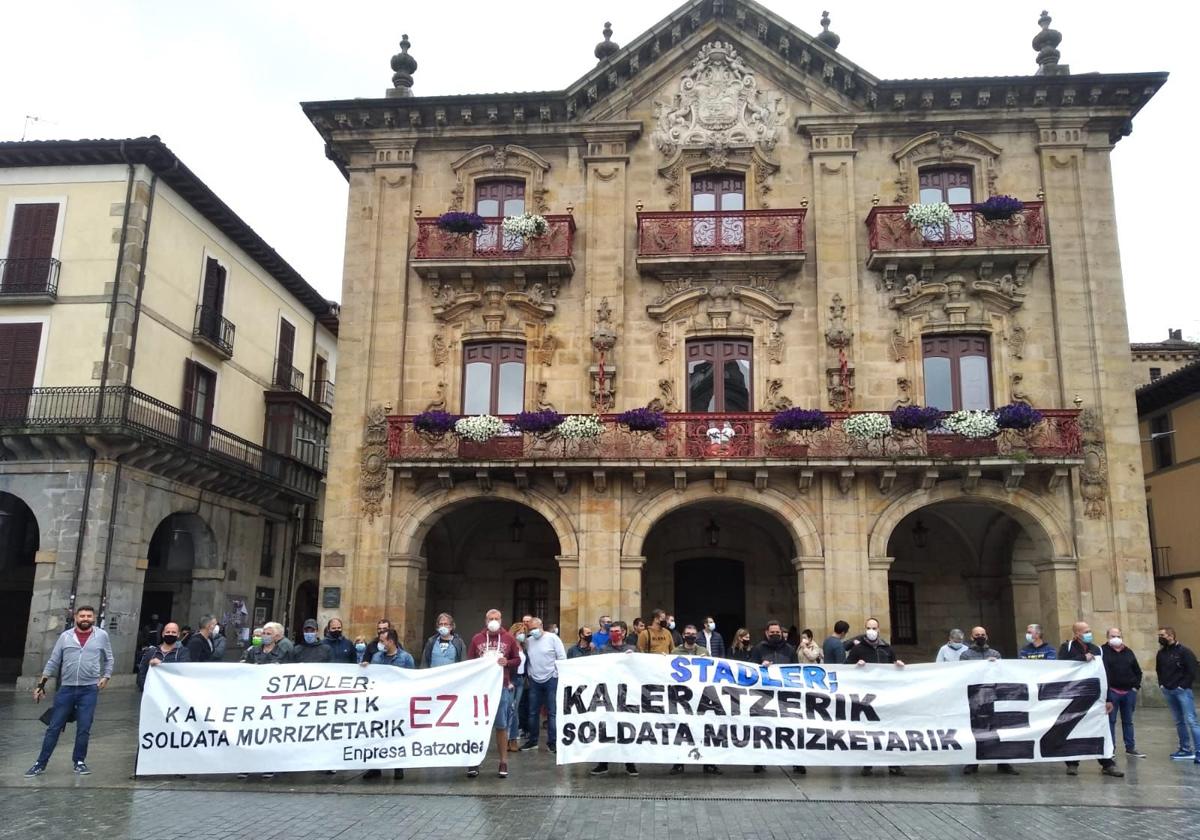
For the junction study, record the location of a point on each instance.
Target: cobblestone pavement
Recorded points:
(1156, 799)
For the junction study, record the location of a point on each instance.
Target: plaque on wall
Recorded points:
(331, 597)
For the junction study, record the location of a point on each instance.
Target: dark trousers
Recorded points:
(542, 694)
(81, 699)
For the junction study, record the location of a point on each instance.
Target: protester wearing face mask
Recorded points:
(600, 637)
(520, 703)
(656, 638)
(340, 649)
(1177, 672)
(676, 639)
(952, 650)
(494, 642)
(310, 649)
(360, 649)
(268, 650)
(617, 643)
(979, 649)
(710, 639)
(1079, 648)
(167, 650)
(444, 647)
(1036, 647)
(689, 646)
(773, 650)
(543, 652)
(585, 646)
(1124, 683)
(809, 652)
(741, 647)
(871, 648)
(200, 644)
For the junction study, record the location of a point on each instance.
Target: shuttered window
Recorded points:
(284, 355)
(30, 247)
(199, 392)
(19, 344)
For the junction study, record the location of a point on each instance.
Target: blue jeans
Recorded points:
(1183, 709)
(1123, 703)
(81, 698)
(542, 694)
(514, 717)
(505, 710)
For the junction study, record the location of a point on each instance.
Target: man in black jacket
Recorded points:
(873, 648)
(1079, 648)
(1124, 682)
(773, 650)
(200, 644)
(310, 648)
(1176, 667)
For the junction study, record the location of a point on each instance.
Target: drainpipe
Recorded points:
(289, 595)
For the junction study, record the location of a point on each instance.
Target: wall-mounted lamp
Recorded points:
(516, 528)
(714, 531)
(920, 534)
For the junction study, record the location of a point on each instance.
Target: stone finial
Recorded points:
(606, 47)
(1046, 43)
(403, 65)
(829, 39)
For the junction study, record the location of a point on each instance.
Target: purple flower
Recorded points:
(643, 420)
(434, 422)
(461, 223)
(999, 207)
(799, 420)
(909, 417)
(1017, 416)
(537, 422)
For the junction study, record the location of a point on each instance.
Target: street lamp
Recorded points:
(714, 531)
(920, 534)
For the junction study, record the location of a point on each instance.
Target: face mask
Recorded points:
(1028, 638)
(957, 646)
(587, 640)
(443, 630)
(1087, 638)
(335, 634)
(535, 633)
(616, 638)
(520, 637)
(169, 639)
(1117, 642)
(981, 641)
(310, 638)
(554, 631)
(493, 626)
(712, 625)
(216, 631)
(1165, 642)
(670, 625)
(872, 635)
(607, 624)
(774, 638)
(256, 641)
(689, 640)
(361, 647)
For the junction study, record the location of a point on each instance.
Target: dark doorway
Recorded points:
(306, 605)
(19, 542)
(710, 586)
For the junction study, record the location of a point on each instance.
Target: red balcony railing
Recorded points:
(556, 243)
(747, 232)
(888, 230)
(687, 437)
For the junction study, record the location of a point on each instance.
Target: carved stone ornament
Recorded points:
(840, 388)
(954, 297)
(1016, 341)
(373, 463)
(934, 147)
(1093, 475)
(542, 403)
(491, 307)
(664, 344)
(546, 349)
(439, 401)
(498, 161)
(775, 345)
(899, 345)
(838, 336)
(439, 348)
(775, 400)
(718, 107)
(734, 298)
(1016, 392)
(904, 386)
(665, 401)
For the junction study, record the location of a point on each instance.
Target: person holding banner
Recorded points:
(542, 653)
(870, 647)
(520, 706)
(167, 650)
(310, 648)
(618, 639)
(340, 648)
(584, 645)
(980, 650)
(953, 649)
(1036, 647)
(493, 641)
(391, 654)
(773, 650)
(1079, 648)
(689, 648)
(267, 650)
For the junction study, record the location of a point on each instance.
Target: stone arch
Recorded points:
(947, 149)
(204, 542)
(413, 524)
(795, 517)
(501, 161)
(1040, 520)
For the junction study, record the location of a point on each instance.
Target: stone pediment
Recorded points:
(752, 297)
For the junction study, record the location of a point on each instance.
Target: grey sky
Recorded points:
(220, 83)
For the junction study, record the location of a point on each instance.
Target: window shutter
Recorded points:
(284, 354)
(213, 295)
(19, 344)
(33, 231)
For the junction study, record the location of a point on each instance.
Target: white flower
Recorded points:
(526, 226)
(971, 424)
(580, 427)
(935, 214)
(867, 426)
(480, 428)
(720, 436)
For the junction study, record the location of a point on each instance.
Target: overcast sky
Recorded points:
(219, 82)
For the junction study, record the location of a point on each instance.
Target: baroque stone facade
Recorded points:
(716, 194)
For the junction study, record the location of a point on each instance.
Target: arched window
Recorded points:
(957, 371)
(1187, 598)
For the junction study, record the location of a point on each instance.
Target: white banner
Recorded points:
(204, 718)
(692, 710)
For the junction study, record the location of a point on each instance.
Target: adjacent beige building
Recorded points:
(166, 381)
(1153, 360)
(725, 201)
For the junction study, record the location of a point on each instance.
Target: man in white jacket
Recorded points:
(542, 653)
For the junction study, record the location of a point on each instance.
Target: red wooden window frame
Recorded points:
(719, 185)
(495, 354)
(502, 191)
(718, 352)
(956, 347)
(945, 178)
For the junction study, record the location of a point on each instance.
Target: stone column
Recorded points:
(568, 594)
(206, 592)
(629, 600)
(880, 605)
(1027, 605)
(810, 585)
(1058, 590)
(403, 604)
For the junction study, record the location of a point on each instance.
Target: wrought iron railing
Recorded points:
(750, 232)
(34, 277)
(491, 243)
(214, 329)
(889, 230)
(120, 409)
(322, 392)
(287, 378)
(312, 532)
(692, 436)
(1162, 560)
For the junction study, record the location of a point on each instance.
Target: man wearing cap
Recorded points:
(310, 648)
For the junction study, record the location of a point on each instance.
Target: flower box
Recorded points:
(461, 224)
(956, 446)
(999, 208)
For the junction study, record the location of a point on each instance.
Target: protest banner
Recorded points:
(647, 708)
(204, 718)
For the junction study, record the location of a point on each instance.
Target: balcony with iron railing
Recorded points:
(696, 439)
(322, 392)
(729, 238)
(213, 330)
(29, 280)
(312, 531)
(491, 254)
(287, 378)
(969, 240)
(119, 412)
